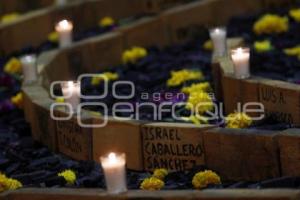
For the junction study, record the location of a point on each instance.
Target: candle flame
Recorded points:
(70, 84)
(239, 50)
(112, 157)
(28, 58)
(64, 25)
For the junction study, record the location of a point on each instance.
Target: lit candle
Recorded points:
(61, 2)
(29, 68)
(115, 173)
(240, 58)
(64, 29)
(71, 93)
(218, 37)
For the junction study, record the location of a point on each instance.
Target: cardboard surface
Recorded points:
(118, 136)
(281, 100)
(176, 147)
(74, 140)
(245, 155)
(9, 6)
(44, 125)
(141, 33)
(289, 143)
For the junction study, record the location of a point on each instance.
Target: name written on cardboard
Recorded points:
(165, 147)
(276, 100)
(67, 133)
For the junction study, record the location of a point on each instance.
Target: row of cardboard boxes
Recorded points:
(87, 13)
(235, 154)
(84, 14)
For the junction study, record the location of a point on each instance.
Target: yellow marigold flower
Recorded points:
(69, 176)
(198, 120)
(203, 179)
(270, 23)
(9, 183)
(263, 46)
(17, 100)
(134, 54)
(295, 14)
(13, 66)
(238, 120)
(152, 183)
(160, 173)
(53, 36)
(106, 21)
(2, 182)
(200, 102)
(59, 100)
(10, 17)
(196, 87)
(181, 76)
(294, 51)
(208, 45)
(96, 80)
(12, 184)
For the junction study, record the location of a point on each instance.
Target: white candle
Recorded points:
(64, 29)
(61, 2)
(29, 68)
(115, 173)
(240, 58)
(71, 93)
(218, 37)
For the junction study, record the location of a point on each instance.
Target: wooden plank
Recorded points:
(224, 10)
(140, 33)
(275, 4)
(74, 140)
(176, 147)
(212, 194)
(43, 125)
(241, 154)
(289, 143)
(56, 62)
(84, 14)
(118, 136)
(33, 94)
(117, 9)
(155, 6)
(94, 54)
(217, 72)
(179, 29)
(87, 56)
(239, 92)
(202, 15)
(281, 100)
(105, 51)
(37, 113)
(13, 37)
(9, 6)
